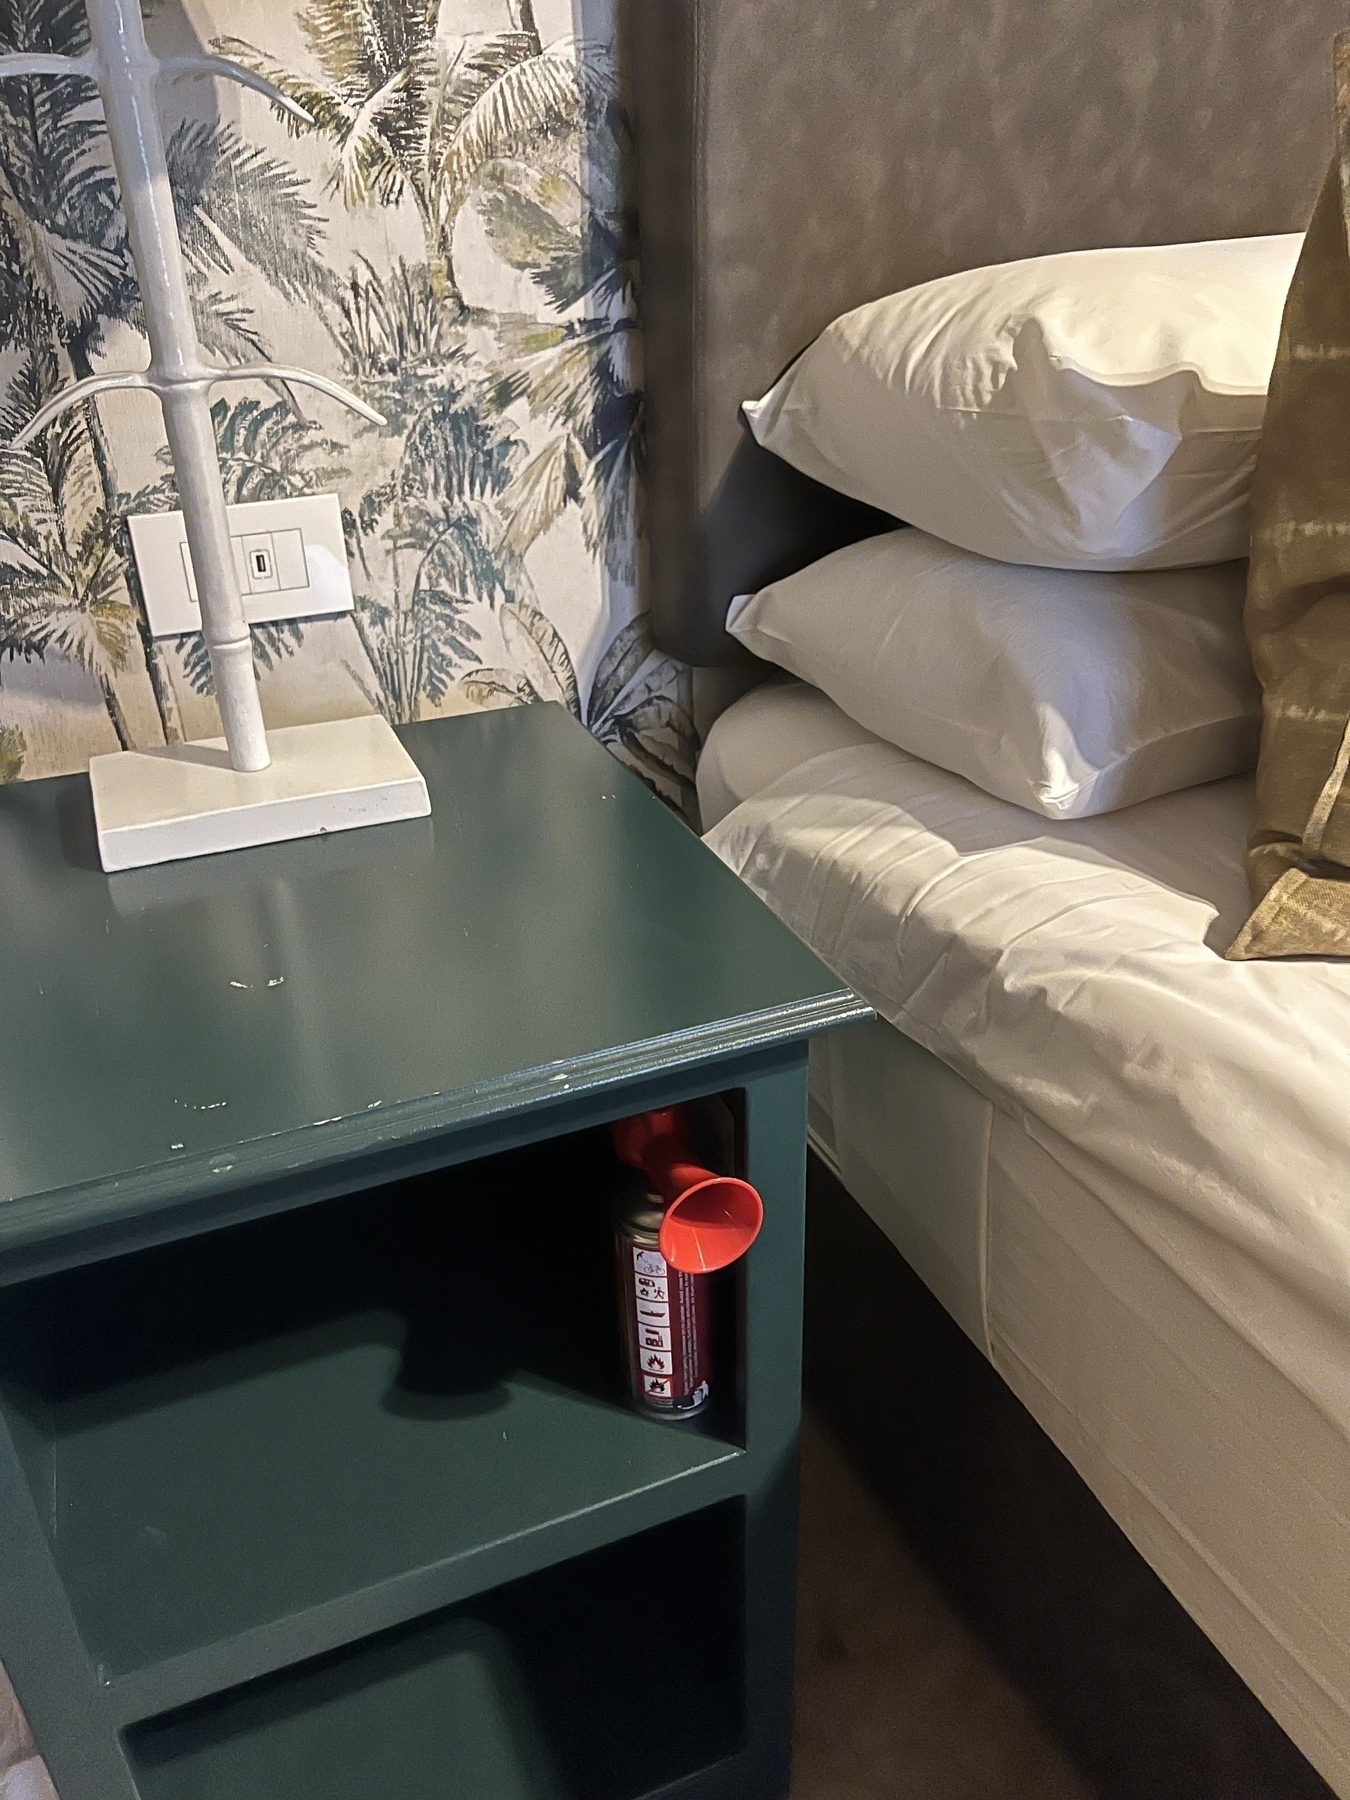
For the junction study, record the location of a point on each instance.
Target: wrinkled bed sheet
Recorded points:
(1074, 974)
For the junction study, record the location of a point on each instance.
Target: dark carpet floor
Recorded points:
(973, 1623)
(896, 1700)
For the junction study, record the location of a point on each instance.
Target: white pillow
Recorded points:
(1098, 410)
(1070, 694)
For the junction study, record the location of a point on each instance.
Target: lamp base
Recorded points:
(155, 806)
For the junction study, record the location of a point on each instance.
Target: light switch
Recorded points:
(290, 560)
(292, 569)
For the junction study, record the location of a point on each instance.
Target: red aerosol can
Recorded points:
(666, 1315)
(668, 1241)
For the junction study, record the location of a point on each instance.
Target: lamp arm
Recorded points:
(73, 395)
(233, 71)
(41, 62)
(153, 382)
(25, 62)
(303, 378)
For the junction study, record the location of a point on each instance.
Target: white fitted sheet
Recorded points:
(1122, 1163)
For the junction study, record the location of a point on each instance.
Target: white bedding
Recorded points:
(1155, 1250)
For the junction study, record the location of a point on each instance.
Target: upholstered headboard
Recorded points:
(798, 157)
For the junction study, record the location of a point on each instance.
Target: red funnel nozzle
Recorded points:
(710, 1220)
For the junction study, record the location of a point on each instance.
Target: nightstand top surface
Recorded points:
(175, 1032)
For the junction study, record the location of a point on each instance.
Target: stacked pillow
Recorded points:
(1073, 438)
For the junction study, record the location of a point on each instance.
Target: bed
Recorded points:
(1169, 1295)
(1169, 1298)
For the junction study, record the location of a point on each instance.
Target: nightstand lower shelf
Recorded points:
(610, 1676)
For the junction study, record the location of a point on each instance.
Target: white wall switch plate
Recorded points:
(289, 555)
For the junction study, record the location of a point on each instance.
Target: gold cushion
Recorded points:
(1298, 597)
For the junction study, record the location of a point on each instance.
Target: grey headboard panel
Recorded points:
(798, 157)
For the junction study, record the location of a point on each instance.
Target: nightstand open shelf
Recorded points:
(608, 1677)
(339, 1417)
(317, 1473)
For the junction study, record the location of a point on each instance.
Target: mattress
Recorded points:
(1121, 1162)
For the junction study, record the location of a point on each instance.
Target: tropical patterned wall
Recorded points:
(453, 237)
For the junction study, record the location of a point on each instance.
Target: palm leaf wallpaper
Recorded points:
(453, 238)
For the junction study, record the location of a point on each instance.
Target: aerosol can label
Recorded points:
(666, 1329)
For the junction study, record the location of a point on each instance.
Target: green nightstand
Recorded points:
(317, 1481)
